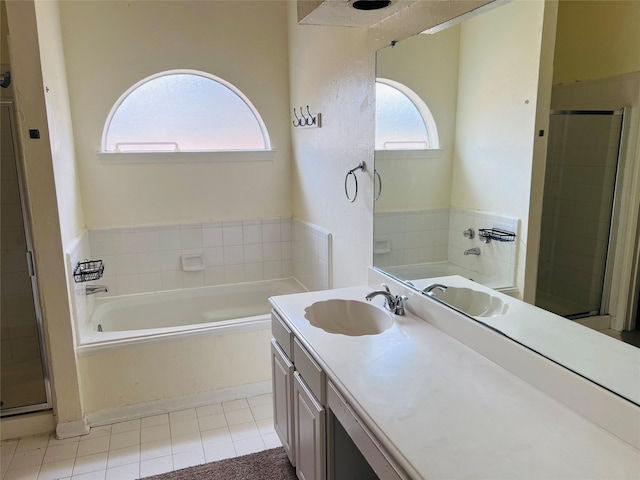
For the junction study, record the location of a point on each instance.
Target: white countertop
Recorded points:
(445, 411)
(604, 360)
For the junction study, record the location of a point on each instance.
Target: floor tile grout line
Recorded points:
(238, 446)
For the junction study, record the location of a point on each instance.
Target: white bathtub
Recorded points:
(420, 275)
(201, 345)
(221, 308)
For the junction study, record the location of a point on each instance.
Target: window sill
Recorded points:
(109, 158)
(433, 153)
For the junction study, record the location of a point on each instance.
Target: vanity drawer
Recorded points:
(282, 334)
(310, 371)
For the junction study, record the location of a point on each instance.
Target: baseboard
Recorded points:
(156, 407)
(27, 424)
(72, 429)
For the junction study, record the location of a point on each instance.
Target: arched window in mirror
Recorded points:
(403, 120)
(184, 111)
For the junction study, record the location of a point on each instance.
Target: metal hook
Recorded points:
(298, 123)
(304, 121)
(312, 119)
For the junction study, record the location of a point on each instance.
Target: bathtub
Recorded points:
(220, 309)
(421, 275)
(199, 345)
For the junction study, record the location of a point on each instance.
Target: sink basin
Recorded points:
(471, 302)
(348, 317)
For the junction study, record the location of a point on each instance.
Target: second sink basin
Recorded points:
(348, 317)
(471, 302)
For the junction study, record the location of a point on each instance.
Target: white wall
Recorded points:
(54, 76)
(111, 45)
(43, 209)
(497, 102)
(428, 65)
(596, 39)
(333, 71)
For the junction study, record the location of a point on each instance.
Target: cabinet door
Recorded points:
(281, 378)
(309, 432)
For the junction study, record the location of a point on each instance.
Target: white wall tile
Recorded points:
(253, 253)
(190, 238)
(169, 240)
(271, 232)
(212, 237)
(252, 234)
(234, 273)
(233, 254)
(213, 256)
(150, 282)
(171, 280)
(214, 275)
(232, 235)
(192, 279)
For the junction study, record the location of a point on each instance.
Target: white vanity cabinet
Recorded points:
(298, 395)
(322, 435)
(281, 381)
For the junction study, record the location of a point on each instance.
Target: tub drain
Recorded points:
(99, 327)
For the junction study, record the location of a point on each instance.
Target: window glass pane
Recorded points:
(399, 124)
(191, 111)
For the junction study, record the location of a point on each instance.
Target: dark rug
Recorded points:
(266, 465)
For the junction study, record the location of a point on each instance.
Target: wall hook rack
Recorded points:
(308, 120)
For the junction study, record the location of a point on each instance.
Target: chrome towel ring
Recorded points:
(361, 166)
(377, 175)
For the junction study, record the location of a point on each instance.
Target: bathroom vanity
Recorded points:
(410, 401)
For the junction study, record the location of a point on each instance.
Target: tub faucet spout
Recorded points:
(472, 251)
(91, 289)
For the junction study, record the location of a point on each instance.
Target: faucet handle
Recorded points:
(385, 287)
(398, 307)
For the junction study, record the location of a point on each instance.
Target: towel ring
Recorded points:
(361, 166)
(346, 190)
(377, 175)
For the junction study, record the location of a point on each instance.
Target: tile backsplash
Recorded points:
(436, 235)
(147, 259)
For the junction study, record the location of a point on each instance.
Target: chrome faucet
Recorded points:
(472, 251)
(429, 289)
(393, 303)
(91, 289)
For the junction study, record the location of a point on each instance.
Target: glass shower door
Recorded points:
(23, 382)
(579, 190)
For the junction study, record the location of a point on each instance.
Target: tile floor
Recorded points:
(148, 446)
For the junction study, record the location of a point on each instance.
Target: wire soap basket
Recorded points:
(88, 270)
(497, 234)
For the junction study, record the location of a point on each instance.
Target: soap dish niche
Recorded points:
(193, 262)
(382, 245)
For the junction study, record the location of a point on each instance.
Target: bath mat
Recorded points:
(266, 465)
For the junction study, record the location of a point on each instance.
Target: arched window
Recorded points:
(184, 111)
(403, 120)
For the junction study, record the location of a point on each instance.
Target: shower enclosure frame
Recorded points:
(26, 219)
(623, 256)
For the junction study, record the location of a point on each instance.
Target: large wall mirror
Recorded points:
(463, 194)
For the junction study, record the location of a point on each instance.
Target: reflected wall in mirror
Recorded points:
(483, 81)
